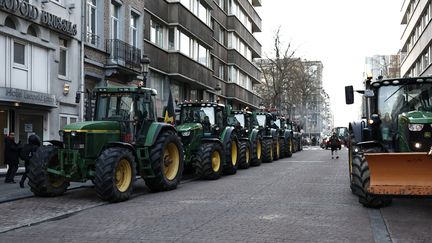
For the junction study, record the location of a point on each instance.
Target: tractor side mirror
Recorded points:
(349, 95)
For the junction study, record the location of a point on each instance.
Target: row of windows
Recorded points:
(422, 63)
(238, 44)
(235, 9)
(20, 50)
(175, 40)
(420, 27)
(238, 77)
(197, 8)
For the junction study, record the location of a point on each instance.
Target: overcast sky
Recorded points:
(340, 33)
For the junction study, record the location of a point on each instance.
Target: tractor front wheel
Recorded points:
(167, 162)
(43, 183)
(209, 161)
(244, 158)
(288, 147)
(361, 181)
(267, 151)
(115, 174)
(231, 159)
(256, 151)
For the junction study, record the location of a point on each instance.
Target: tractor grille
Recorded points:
(422, 137)
(75, 142)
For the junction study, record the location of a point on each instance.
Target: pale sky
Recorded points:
(340, 33)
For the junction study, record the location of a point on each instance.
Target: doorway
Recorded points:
(29, 124)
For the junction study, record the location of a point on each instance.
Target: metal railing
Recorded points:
(123, 54)
(92, 38)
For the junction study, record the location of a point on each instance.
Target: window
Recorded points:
(184, 44)
(221, 71)
(133, 29)
(67, 119)
(202, 55)
(114, 21)
(202, 13)
(19, 53)
(63, 58)
(156, 34)
(91, 21)
(221, 36)
(171, 39)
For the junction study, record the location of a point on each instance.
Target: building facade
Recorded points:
(416, 38)
(387, 66)
(39, 67)
(203, 50)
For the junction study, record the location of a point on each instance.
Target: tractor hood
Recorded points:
(93, 126)
(419, 117)
(188, 127)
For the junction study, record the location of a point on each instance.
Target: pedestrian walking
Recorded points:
(26, 154)
(11, 157)
(334, 145)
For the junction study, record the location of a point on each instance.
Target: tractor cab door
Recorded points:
(143, 118)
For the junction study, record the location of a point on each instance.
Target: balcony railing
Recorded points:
(92, 38)
(123, 54)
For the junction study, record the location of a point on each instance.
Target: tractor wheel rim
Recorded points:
(247, 155)
(233, 153)
(258, 149)
(277, 148)
(171, 161)
(271, 152)
(56, 181)
(215, 160)
(123, 175)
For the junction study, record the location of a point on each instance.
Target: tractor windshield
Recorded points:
(121, 107)
(192, 114)
(393, 100)
(261, 120)
(240, 119)
(278, 123)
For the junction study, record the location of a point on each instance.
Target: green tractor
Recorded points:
(297, 138)
(389, 151)
(123, 140)
(286, 134)
(269, 134)
(211, 145)
(250, 139)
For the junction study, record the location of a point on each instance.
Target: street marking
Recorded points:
(379, 228)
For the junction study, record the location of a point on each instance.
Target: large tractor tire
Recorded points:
(41, 182)
(256, 157)
(267, 151)
(361, 181)
(288, 145)
(167, 162)
(208, 164)
(115, 174)
(245, 155)
(353, 188)
(231, 156)
(276, 149)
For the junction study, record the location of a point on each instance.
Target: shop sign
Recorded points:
(29, 97)
(31, 12)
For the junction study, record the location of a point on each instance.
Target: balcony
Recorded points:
(122, 57)
(236, 92)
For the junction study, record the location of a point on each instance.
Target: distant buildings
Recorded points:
(387, 66)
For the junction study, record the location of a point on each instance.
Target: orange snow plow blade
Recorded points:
(400, 173)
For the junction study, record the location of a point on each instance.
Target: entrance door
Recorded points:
(28, 125)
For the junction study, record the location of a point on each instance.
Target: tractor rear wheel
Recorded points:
(209, 161)
(115, 174)
(288, 148)
(256, 151)
(361, 181)
(267, 151)
(244, 158)
(276, 149)
(41, 182)
(167, 163)
(231, 153)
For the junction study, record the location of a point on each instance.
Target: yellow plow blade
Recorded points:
(400, 173)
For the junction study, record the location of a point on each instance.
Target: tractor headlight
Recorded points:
(415, 127)
(247, 131)
(417, 145)
(73, 133)
(186, 134)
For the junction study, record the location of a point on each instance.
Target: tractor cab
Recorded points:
(206, 117)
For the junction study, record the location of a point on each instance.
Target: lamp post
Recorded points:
(145, 64)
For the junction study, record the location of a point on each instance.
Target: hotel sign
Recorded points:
(28, 97)
(31, 12)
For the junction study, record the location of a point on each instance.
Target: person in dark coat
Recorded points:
(26, 154)
(334, 145)
(11, 157)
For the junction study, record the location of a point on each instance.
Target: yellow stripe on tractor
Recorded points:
(400, 173)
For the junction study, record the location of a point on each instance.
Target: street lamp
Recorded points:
(145, 64)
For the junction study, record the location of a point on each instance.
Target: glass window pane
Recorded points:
(63, 122)
(62, 62)
(19, 53)
(184, 44)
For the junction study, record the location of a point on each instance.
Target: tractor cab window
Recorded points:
(240, 119)
(118, 107)
(261, 120)
(198, 114)
(278, 123)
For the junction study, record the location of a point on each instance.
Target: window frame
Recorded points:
(90, 24)
(115, 19)
(65, 49)
(17, 64)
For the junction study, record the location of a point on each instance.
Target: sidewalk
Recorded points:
(11, 192)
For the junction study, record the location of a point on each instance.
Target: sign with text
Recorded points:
(29, 97)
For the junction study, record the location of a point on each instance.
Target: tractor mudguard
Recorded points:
(356, 128)
(154, 130)
(226, 134)
(56, 143)
(400, 173)
(253, 135)
(215, 140)
(117, 144)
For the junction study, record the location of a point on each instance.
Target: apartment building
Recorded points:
(203, 50)
(39, 67)
(416, 38)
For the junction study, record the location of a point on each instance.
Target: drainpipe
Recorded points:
(83, 35)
